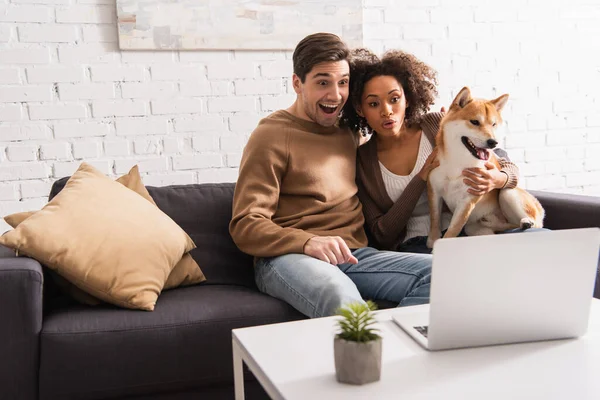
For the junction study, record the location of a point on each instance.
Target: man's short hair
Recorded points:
(315, 49)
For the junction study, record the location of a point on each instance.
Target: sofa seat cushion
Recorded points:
(104, 352)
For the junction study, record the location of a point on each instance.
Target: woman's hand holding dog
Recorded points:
(430, 164)
(482, 181)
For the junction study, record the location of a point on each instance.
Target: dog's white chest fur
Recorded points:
(448, 177)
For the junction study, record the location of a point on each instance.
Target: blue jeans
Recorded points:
(418, 244)
(318, 289)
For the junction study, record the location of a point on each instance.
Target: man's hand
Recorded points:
(331, 249)
(430, 164)
(482, 181)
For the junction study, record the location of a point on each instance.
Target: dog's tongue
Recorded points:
(483, 154)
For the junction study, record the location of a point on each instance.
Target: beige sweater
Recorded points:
(386, 220)
(296, 181)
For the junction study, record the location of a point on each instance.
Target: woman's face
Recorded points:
(383, 105)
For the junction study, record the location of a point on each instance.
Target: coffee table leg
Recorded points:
(238, 373)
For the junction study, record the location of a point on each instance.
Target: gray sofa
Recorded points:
(54, 348)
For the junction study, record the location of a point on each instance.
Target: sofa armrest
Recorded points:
(568, 211)
(21, 282)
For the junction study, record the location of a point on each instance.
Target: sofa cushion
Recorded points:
(185, 342)
(186, 272)
(105, 239)
(204, 212)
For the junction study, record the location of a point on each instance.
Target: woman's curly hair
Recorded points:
(417, 79)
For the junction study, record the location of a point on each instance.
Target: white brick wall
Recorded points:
(56, 151)
(39, 33)
(55, 74)
(9, 75)
(67, 93)
(22, 152)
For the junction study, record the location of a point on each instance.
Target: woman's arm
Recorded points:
(388, 227)
(512, 172)
(499, 174)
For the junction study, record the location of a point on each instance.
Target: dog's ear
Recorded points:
(463, 98)
(500, 102)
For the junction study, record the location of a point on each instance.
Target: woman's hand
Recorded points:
(482, 181)
(430, 164)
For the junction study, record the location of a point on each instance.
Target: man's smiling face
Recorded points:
(324, 92)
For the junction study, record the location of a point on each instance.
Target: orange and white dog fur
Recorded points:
(465, 140)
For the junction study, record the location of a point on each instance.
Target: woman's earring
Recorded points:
(363, 128)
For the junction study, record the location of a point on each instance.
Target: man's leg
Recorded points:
(311, 286)
(403, 278)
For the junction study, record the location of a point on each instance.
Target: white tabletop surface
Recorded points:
(294, 360)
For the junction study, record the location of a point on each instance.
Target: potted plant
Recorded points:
(357, 347)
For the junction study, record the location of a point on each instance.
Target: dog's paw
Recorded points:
(526, 223)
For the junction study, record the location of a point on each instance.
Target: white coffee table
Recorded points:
(294, 360)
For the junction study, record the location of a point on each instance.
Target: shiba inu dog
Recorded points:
(465, 140)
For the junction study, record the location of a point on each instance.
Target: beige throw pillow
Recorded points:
(186, 271)
(105, 239)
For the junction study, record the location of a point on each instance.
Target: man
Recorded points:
(295, 206)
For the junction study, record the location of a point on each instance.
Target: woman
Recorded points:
(389, 99)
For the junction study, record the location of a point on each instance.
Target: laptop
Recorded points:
(509, 288)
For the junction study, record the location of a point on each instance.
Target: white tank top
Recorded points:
(419, 223)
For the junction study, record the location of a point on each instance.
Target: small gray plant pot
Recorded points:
(357, 363)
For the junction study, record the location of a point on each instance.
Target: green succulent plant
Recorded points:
(356, 322)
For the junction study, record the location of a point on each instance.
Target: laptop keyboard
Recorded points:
(422, 330)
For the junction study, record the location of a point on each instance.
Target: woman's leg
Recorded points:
(403, 278)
